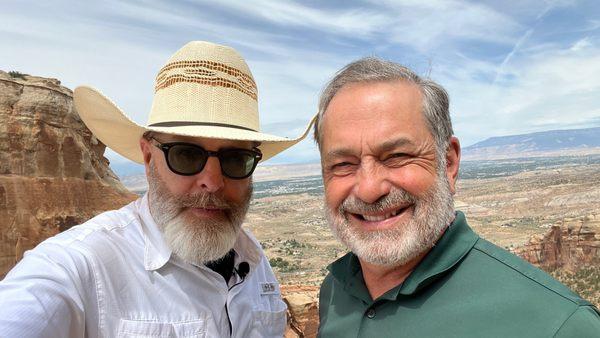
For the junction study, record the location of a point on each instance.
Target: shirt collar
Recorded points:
(157, 252)
(247, 249)
(454, 244)
(449, 250)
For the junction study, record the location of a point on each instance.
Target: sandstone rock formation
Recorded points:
(569, 245)
(53, 174)
(303, 310)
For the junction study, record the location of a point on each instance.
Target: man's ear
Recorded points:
(146, 148)
(453, 162)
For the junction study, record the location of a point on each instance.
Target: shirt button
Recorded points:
(371, 313)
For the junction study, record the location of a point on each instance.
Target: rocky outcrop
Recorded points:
(303, 310)
(568, 245)
(53, 173)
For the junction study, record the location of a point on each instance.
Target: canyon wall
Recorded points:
(568, 245)
(53, 173)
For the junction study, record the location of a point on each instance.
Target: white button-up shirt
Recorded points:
(114, 276)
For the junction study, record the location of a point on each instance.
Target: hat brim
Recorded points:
(117, 131)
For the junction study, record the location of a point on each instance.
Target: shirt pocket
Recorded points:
(146, 329)
(268, 323)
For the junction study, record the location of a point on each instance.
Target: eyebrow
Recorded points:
(393, 144)
(340, 152)
(381, 148)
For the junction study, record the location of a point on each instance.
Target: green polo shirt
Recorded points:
(464, 287)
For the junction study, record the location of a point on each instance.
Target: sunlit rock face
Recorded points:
(569, 245)
(53, 173)
(303, 310)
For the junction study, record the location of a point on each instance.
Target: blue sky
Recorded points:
(510, 66)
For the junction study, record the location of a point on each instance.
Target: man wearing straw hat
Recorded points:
(175, 262)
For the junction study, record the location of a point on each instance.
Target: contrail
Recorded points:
(519, 43)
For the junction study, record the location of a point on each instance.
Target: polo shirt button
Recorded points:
(371, 313)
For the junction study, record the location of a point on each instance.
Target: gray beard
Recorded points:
(196, 241)
(405, 241)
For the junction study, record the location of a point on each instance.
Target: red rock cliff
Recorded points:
(53, 174)
(303, 310)
(569, 245)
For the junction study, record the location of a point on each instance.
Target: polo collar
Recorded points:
(449, 250)
(157, 252)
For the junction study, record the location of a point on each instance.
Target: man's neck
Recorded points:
(380, 279)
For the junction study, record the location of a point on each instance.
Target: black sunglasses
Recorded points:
(189, 159)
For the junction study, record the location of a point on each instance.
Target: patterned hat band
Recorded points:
(207, 73)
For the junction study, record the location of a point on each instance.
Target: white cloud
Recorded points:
(549, 89)
(581, 44)
(360, 22)
(428, 25)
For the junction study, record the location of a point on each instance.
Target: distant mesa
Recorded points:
(546, 143)
(53, 173)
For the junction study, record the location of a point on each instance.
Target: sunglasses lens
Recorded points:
(189, 159)
(237, 163)
(186, 159)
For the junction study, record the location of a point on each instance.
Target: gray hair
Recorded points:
(372, 69)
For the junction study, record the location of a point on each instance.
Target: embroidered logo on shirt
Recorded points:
(268, 288)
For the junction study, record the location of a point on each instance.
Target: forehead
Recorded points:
(374, 113)
(208, 143)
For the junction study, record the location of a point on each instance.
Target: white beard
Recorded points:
(406, 240)
(196, 241)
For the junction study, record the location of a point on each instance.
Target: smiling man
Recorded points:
(416, 269)
(176, 262)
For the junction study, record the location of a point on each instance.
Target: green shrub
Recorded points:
(283, 265)
(16, 75)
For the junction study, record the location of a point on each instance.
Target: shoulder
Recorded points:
(528, 296)
(102, 227)
(523, 274)
(80, 245)
(583, 322)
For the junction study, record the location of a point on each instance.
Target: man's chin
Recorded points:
(202, 256)
(200, 243)
(389, 246)
(383, 250)
(379, 254)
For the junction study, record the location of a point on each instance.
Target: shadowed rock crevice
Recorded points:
(569, 245)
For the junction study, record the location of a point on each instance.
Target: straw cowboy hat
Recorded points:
(204, 90)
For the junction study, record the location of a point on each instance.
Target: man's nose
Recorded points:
(371, 183)
(210, 179)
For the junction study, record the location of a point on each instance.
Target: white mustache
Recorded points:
(203, 200)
